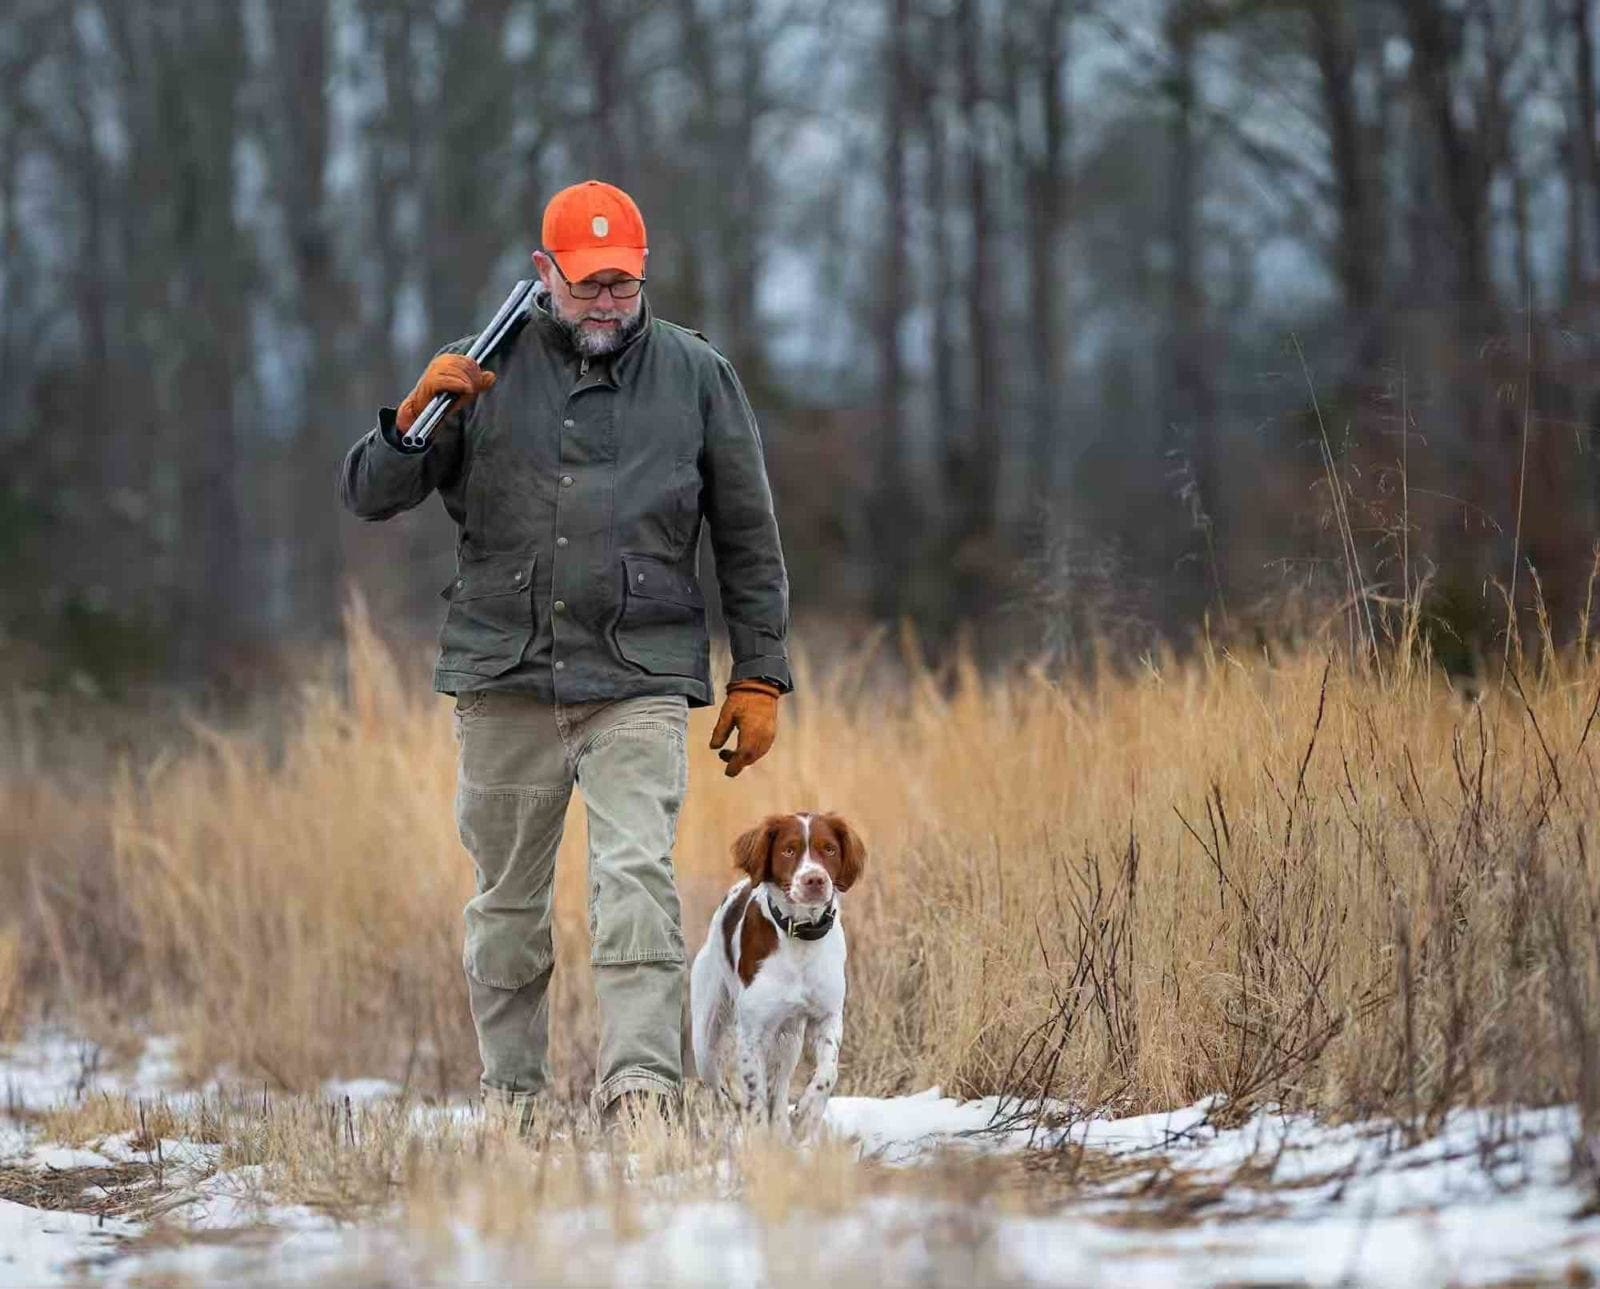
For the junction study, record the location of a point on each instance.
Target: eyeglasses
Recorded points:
(625, 289)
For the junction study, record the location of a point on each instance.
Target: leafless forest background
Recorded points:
(1066, 320)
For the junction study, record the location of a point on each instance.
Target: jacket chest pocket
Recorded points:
(662, 627)
(490, 620)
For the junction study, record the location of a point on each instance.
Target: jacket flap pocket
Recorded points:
(650, 579)
(499, 574)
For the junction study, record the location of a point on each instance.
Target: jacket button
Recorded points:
(569, 422)
(566, 481)
(560, 664)
(639, 577)
(561, 541)
(517, 576)
(560, 606)
(460, 582)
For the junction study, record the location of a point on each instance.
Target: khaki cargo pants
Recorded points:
(519, 759)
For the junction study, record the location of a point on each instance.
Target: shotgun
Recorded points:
(512, 314)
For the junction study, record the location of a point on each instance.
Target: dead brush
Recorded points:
(1416, 932)
(1278, 878)
(104, 1190)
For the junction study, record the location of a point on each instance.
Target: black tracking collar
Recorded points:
(805, 930)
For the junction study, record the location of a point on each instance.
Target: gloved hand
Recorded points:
(446, 374)
(751, 706)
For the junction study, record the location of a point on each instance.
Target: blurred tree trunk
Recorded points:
(110, 571)
(1576, 277)
(1045, 185)
(462, 178)
(139, 37)
(1360, 255)
(392, 154)
(1585, 152)
(729, 197)
(604, 28)
(893, 518)
(973, 469)
(685, 269)
(745, 196)
(12, 264)
(320, 309)
(1437, 45)
(945, 357)
(1458, 81)
(178, 67)
(1190, 420)
(26, 571)
(210, 277)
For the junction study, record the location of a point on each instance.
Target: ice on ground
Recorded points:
(59, 1158)
(360, 1091)
(899, 1129)
(40, 1247)
(55, 1067)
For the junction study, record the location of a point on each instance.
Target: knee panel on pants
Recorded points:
(513, 838)
(634, 921)
(633, 776)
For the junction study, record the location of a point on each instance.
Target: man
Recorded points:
(580, 463)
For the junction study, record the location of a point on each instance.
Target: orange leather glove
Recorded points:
(446, 374)
(751, 706)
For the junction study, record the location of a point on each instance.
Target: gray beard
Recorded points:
(598, 344)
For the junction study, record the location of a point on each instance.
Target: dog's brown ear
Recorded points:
(852, 852)
(753, 850)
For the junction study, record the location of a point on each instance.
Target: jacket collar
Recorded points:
(794, 927)
(611, 369)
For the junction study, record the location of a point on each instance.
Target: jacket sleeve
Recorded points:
(744, 533)
(380, 477)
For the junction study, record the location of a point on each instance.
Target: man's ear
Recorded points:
(543, 264)
(852, 853)
(753, 850)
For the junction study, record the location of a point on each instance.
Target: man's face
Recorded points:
(598, 326)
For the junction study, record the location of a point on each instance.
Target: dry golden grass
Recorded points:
(11, 990)
(439, 1190)
(354, 1160)
(1277, 877)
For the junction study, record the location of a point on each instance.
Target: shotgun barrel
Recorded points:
(511, 315)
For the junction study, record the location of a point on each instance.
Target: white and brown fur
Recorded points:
(781, 992)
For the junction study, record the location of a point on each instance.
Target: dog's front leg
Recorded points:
(754, 1033)
(825, 1035)
(786, 1043)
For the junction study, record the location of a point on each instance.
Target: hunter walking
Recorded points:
(579, 464)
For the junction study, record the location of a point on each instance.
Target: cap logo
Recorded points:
(600, 226)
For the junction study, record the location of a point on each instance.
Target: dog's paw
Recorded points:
(808, 1116)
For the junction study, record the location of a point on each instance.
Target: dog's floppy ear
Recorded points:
(852, 852)
(753, 850)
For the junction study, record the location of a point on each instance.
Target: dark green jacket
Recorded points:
(579, 487)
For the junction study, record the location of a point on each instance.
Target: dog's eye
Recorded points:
(830, 848)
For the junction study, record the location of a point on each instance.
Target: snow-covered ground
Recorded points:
(1164, 1199)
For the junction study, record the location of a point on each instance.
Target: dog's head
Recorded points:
(807, 856)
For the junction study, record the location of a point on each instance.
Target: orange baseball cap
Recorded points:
(592, 226)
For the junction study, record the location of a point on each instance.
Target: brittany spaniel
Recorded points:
(773, 964)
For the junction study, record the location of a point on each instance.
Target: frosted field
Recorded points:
(1166, 1199)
